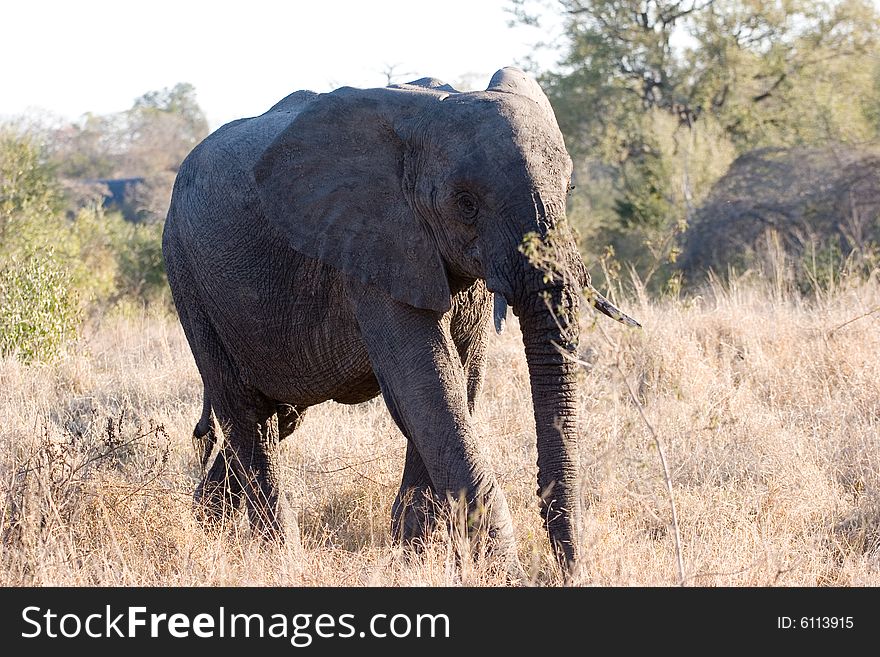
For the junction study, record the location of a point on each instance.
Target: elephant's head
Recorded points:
(417, 189)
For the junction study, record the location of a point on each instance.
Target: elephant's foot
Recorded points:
(515, 574)
(269, 515)
(214, 507)
(217, 502)
(482, 533)
(413, 517)
(219, 494)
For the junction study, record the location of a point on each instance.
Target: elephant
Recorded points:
(357, 242)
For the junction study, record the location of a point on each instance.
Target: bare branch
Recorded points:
(773, 87)
(661, 451)
(695, 7)
(854, 319)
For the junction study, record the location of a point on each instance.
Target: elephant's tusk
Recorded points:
(605, 307)
(500, 313)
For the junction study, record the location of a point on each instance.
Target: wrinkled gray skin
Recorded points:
(348, 243)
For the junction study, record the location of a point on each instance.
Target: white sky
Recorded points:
(72, 57)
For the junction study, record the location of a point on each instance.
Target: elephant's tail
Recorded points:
(205, 434)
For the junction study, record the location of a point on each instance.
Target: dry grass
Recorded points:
(769, 417)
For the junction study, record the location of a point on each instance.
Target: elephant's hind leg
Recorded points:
(248, 460)
(220, 492)
(244, 468)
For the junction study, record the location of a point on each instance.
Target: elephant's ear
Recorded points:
(515, 81)
(332, 182)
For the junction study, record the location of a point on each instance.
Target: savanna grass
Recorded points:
(768, 407)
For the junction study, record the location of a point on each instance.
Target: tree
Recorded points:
(147, 141)
(656, 97)
(688, 58)
(790, 73)
(87, 150)
(161, 128)
(28, 187)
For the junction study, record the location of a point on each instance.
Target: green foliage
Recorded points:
(140, 268)
(657, 98)
(642, 204)
(62, 256)
(56, 265)
(788, 74)
(39, 308)
(111, 259)
(28, 187)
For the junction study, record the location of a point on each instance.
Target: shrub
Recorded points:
(113, 260)
(819, 206)
(39, 308)
(140, 273)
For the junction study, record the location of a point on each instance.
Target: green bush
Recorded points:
(60, 259)
(140, 273)
(113, 260)
(39, 304)
(39, 308)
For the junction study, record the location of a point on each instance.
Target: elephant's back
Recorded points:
(243, 141)
(216, 218)
(215, 184)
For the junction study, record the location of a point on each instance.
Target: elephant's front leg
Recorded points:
(413, 514)
(425, 387)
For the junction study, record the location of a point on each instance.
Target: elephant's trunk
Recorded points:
(549, 322)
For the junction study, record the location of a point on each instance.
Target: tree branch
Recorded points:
(668, 20)
(773, 87)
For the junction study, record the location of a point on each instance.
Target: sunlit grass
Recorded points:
(768, 411)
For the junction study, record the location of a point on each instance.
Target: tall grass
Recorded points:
(768, 407)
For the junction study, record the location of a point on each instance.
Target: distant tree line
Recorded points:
(706, 134)
(147, 141)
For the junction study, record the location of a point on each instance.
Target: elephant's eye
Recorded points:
(467, 205)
